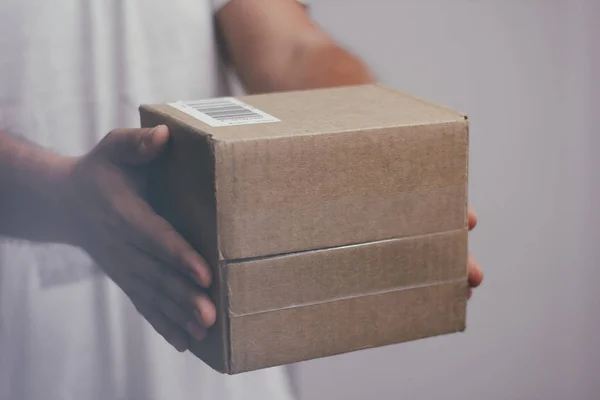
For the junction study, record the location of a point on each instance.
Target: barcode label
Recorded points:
(225, 111)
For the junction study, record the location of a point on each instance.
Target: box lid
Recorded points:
(323, 111)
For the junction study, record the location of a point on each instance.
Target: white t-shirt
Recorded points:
(70, 71)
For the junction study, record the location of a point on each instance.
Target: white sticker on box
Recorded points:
(224, 111)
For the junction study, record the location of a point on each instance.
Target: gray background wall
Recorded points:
(527, 74)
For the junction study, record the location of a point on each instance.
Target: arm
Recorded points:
(275, 46)
(30, 182)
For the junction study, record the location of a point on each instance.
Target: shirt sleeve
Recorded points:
(218, 4)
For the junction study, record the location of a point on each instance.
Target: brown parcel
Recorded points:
(342, 226)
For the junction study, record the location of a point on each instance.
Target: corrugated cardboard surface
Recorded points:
(341, 227)
(341, 160)
(332, 110)
(324, 329)
(288, 194)
(321, 275)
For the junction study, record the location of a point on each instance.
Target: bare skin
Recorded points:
(97, 201)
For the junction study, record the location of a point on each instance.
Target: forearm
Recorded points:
(326, 65)
(309, 66)
(275, 46)
(30, 191)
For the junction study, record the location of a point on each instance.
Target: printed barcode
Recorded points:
(224, 112)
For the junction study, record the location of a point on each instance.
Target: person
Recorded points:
(88, 272)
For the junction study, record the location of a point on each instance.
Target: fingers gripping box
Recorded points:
(333, 219)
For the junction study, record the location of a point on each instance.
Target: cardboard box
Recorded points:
(334, 219)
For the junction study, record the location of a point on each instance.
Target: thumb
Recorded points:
(135, 146)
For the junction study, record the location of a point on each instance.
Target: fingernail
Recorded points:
(149, 135)
(202, 275)
(198, 332)
(197, 276)
(198, 316)
(205, 311)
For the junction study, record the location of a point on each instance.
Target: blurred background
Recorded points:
(527, 73)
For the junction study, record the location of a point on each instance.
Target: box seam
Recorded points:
(235, 261)
(368, 294)
(373, 129)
